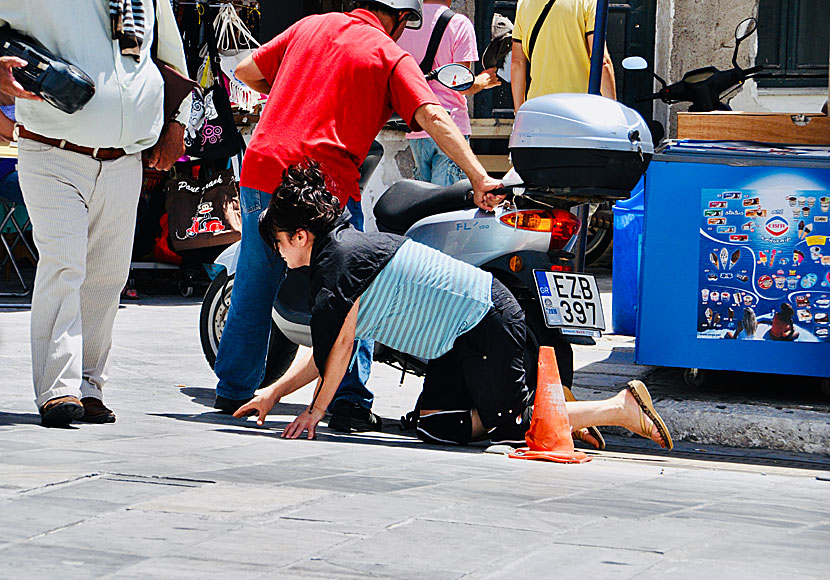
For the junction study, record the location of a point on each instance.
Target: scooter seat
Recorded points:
(409, 200)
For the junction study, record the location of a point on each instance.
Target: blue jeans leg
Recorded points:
(422, 153)
(240, 362)
(433, 165)
(353, 386)
(445, 171)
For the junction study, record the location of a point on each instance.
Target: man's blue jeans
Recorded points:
(240, 362)
(433, 165)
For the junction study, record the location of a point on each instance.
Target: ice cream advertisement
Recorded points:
(764, 265)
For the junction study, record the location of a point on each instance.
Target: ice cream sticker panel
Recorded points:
(764, 265)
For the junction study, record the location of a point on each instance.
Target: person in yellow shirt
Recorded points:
(561, 51)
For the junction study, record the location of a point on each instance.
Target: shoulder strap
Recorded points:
(435, 40)
(154, 48)
(537, 27)
(213, 49)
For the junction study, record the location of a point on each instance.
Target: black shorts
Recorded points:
(484, 370)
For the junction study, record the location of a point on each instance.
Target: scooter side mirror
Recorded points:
(743, 31)
(639, 63)
(456, 77)
(635, 63)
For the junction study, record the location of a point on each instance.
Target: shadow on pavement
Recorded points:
(391, 435)
(7, 419)
(200, 395)
(781, 391)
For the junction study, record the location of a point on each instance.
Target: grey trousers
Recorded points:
(83, 220)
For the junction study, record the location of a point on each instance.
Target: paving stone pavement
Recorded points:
(175, 490)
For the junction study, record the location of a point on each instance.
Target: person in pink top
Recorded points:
(458, 44)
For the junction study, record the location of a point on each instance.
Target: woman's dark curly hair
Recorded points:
(301, 202)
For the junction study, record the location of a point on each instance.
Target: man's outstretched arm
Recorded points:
(438, 124)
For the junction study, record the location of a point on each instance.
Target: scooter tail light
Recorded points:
(565, 226)
(562, 225)
(562, 268)
(534, 220)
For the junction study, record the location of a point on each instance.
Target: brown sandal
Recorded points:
(583, 434)
(643, 398)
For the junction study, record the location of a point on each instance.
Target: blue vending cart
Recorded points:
(736, 259)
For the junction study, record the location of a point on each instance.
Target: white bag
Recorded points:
(235, 43)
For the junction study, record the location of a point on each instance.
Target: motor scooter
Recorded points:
(705, 88)
(568, 151)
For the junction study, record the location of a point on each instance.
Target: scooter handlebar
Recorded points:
(645, 98)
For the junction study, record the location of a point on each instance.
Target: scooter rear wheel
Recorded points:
(600, 233)
(217, 301)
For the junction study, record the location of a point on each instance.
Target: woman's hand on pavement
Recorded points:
(484, 195)
(9, 84)
(307, 420)
(260, 405)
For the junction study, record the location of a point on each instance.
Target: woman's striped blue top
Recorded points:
(422, 301)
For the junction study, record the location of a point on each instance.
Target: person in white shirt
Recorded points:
(81, 177)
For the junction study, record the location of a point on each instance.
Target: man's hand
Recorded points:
(484, 195)
(8, 84)
(260, 405)
(308, 419)
(487, 79)
(6, 128)
(169, 147)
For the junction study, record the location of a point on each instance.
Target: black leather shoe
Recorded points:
(60, 412)
(348, 417)
(228, 406)
(96, 412)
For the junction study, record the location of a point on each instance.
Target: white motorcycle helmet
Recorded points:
(413, 8)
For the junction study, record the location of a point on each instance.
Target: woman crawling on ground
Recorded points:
(420, 301)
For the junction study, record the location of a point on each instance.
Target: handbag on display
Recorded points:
(203, 212)
(235, 43)
(216, 137)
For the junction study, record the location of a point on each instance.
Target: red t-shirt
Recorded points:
(335, 79)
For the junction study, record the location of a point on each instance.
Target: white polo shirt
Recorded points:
(126, 110)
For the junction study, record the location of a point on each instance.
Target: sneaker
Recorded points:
(228, 406)
(348, 417)
(513, 432)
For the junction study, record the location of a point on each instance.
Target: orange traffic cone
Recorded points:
(549, 437)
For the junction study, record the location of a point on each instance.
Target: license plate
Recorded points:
(570, 301)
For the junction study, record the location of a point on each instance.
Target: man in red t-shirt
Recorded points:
(332, 80)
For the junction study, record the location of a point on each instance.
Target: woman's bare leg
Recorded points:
(621, 410)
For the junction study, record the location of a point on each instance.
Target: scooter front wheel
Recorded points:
(214, 312)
